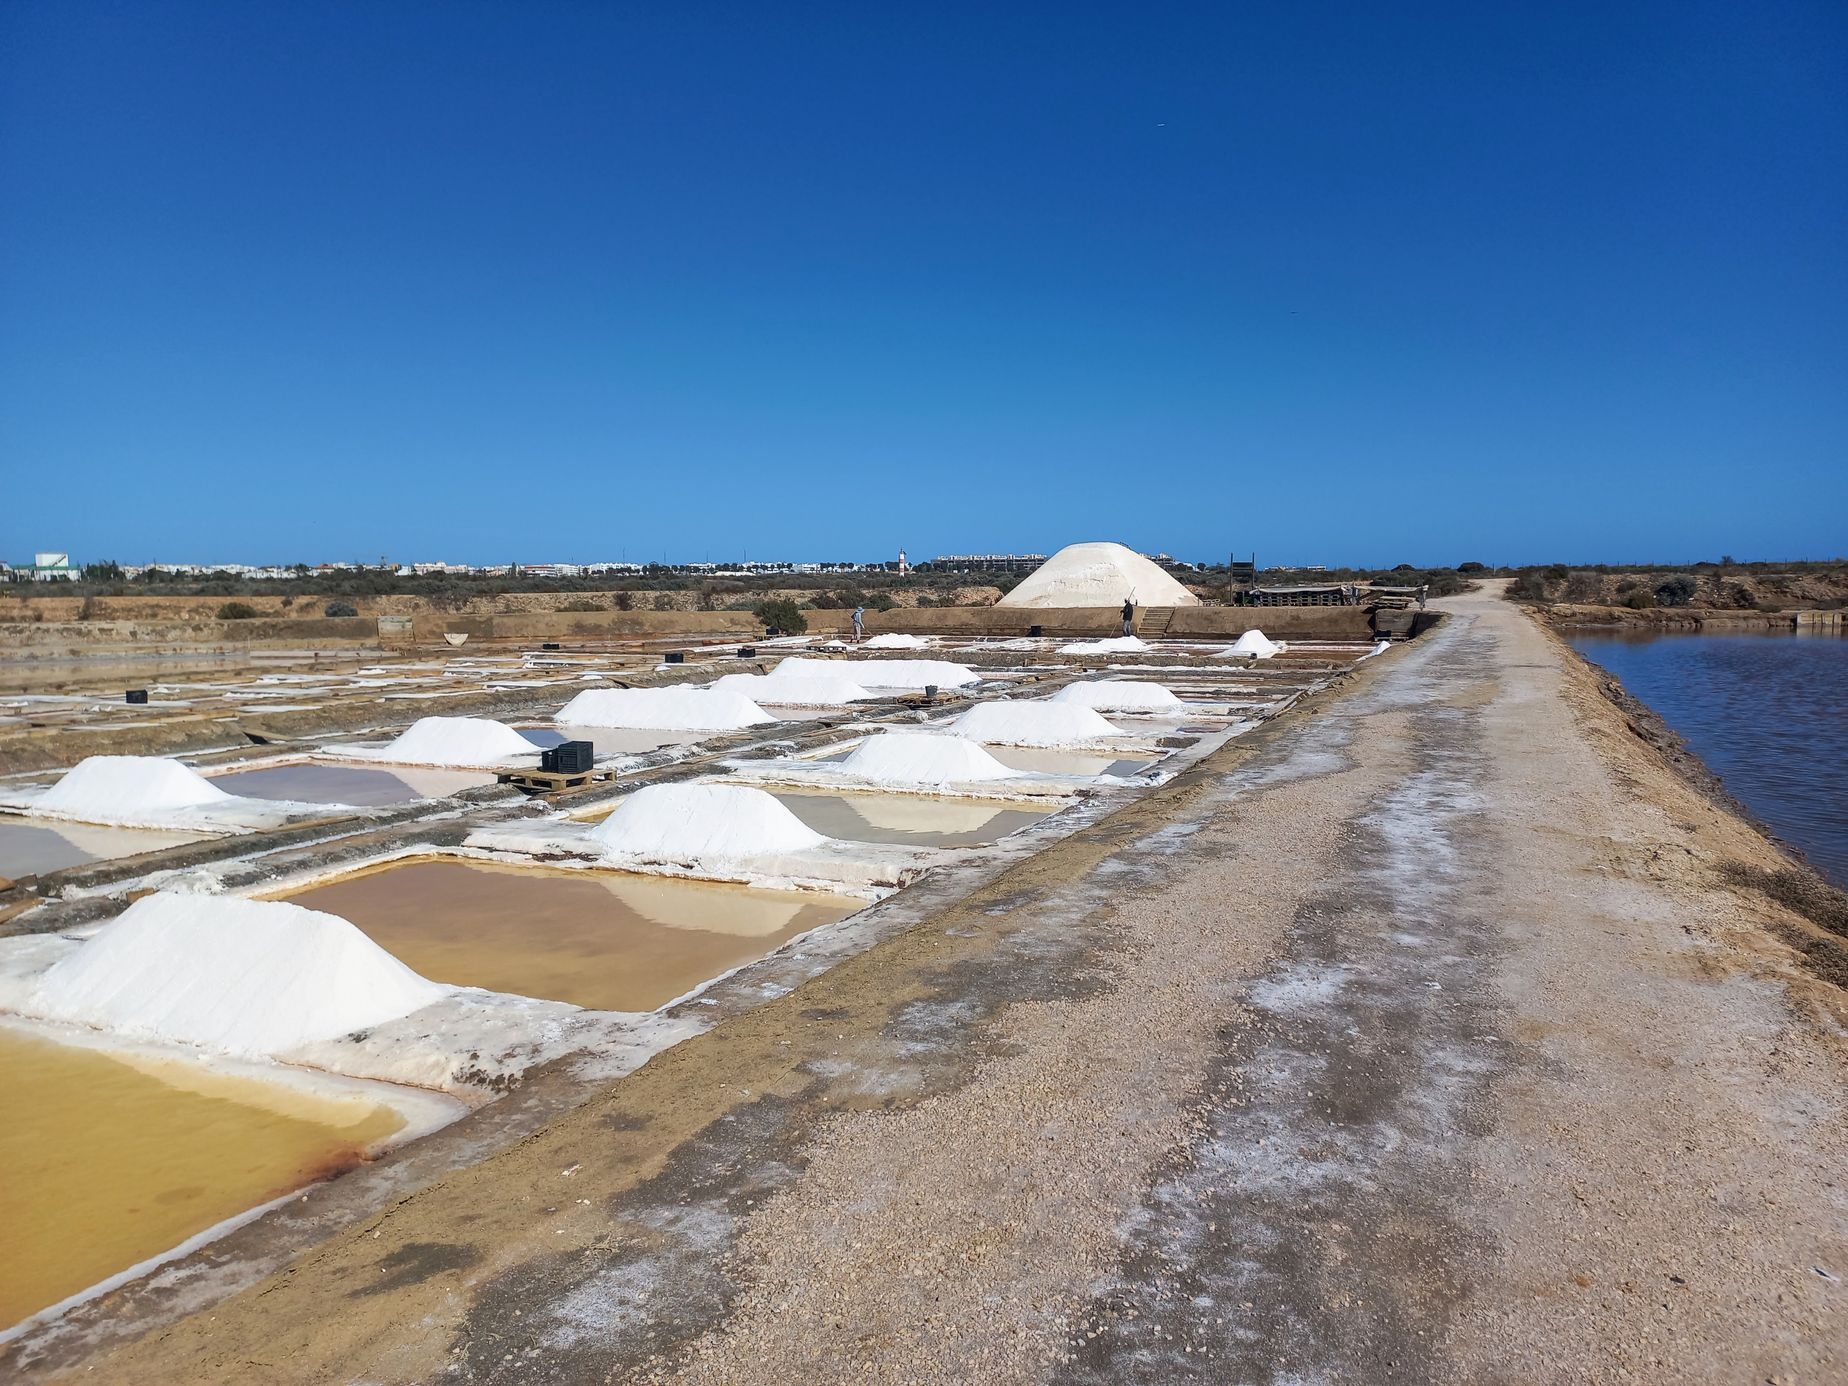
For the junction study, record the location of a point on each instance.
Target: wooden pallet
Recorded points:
(553, 781)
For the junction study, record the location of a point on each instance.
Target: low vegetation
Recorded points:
(781, 613)
(238, 611)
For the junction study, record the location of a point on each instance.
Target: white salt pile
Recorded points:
(456, 741)
(1098, 575)
(1255, 644)
(892, 640)
(882, 673)
(243, 976)
(117, 789)
(662, 709)
(1044, 723)
(1118, 644)
(1119, 695)
(920, 758)
(793, 690)
(703, 822)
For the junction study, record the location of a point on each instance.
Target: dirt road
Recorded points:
(1415, 1038)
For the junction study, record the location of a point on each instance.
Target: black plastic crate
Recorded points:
(137, 695)
(747, 652)
(675, 657)
(567, 758)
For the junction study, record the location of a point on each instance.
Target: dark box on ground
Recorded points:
(567, 758)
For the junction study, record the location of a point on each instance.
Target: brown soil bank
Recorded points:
(1421, 1037)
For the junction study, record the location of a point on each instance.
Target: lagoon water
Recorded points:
(1767, 711)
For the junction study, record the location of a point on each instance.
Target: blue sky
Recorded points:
(1365, 283)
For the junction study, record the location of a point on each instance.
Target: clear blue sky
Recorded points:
(1361, 283)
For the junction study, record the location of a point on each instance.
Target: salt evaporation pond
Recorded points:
(599, 939)
(108, 1160)
(34, 846)
(910, 820)
(321, 782)
(1048, 761)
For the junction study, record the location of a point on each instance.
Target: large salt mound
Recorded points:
(689, 822)
(457, 741)
(1256, 644)
(1098, 575)
(1043, 723)
(1119, 695)
(922, 758)
(244, 976)
(1117, 644)
(882, 673)
(894, 641)
(111, 788)
(662, 709)
(793, 691)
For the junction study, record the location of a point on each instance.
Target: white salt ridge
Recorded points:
(1098, 574)
(1257, 645)
(248, 977)
(663, 709)
(922, 758)
(695, 823)
(1117, 644)
(105, 789)
(455, 741)
(895, 641)
(1041, 723)
(882, 673)
(792, 690)
(1119, 695)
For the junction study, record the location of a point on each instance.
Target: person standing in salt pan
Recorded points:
(1129, 615)
(859, 624)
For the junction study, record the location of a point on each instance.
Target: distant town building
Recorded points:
(44, 567)
(988, 562)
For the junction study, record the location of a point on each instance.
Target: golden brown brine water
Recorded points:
(600, 939)
(911, 820)
(107, 1160)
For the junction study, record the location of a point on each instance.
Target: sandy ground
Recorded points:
(1413, 1038)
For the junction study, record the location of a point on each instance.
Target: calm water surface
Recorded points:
(1767, 711)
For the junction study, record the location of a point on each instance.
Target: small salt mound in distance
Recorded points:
(894, 641)
(692, 822)
(1119, 695)
(110, 788)
(244, 976)
(794, 691)
(662, 709)
(457, 741)
(1255, 644)
(1043, 723)
(922, 758)
(1120, 644)
(882, 673)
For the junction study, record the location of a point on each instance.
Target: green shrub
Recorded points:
(1528, 586)
(1471, 567)
(1639, 599)
(340, 609)
(1676, 591)
(581, 604)
(782, 614)
(237, 611)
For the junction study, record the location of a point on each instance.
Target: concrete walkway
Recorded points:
(1414, 1038)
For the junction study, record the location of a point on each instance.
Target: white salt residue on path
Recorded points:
(1039, 723)
(922, 758)
(882, 673)
(1119, 695)
(703, 822)
(1119, 644)
(892, 640)
(454, 741)
(247, 977)
(792, 690)
(155, 792)
(663, 709)
(1257, 645)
